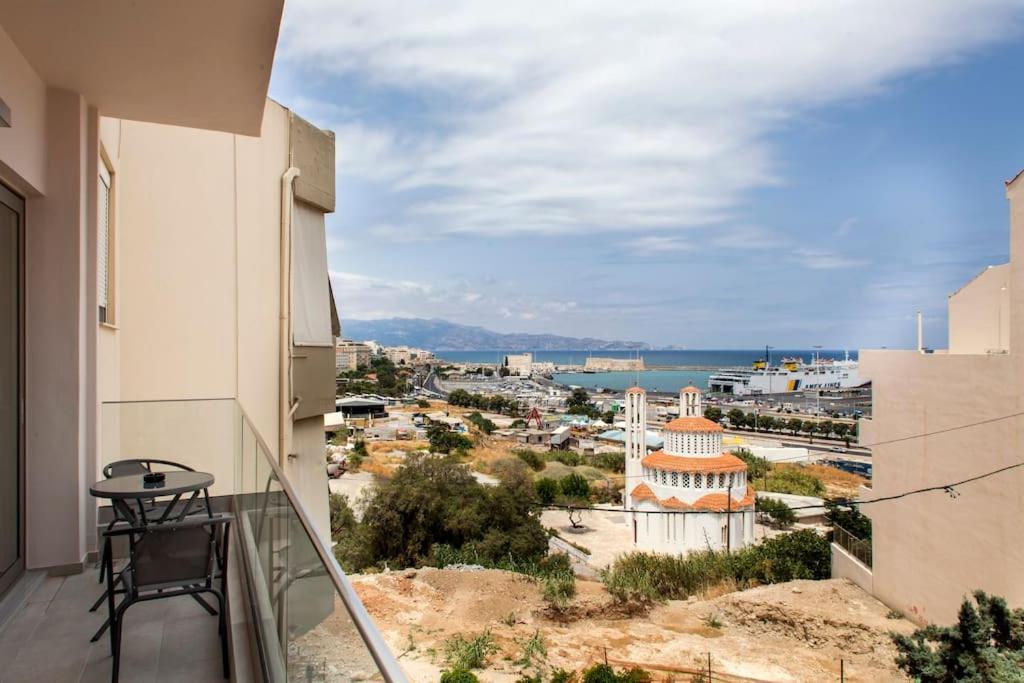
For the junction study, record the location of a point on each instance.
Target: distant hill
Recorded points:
(441, 335)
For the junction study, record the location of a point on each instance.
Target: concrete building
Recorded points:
(519, 364)
(350, 355)
(164, 283)
(931, 550)
(405, 355)
(614, 364)
(689, 495)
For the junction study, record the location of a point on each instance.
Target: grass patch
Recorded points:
(469, 652)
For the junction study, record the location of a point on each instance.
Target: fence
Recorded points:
(706, 672)
(860, 548)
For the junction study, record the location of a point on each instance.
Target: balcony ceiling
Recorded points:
(197, 63)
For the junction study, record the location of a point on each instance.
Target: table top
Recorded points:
(133, 485)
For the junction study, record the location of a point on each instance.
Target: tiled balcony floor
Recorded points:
(47, 641)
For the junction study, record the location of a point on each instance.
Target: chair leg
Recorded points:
(198, 598)
(115, 636)
(222, 630)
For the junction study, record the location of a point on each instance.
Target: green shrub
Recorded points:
(461, 652)
(482, 423)
(756, 467)
(602, 673)
(459, 676)
(565, 457)
(644, 577)
(612, 462)
(575, 486)
(849, 518)
(791, 480)
(422, 404)
(547, 490)
(559, 589)
(776, 512)
(986, 644)
(531, 458)
(562, 676)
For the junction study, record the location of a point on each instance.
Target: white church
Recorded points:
(689, 495)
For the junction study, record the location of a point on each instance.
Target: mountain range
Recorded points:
(442, 335)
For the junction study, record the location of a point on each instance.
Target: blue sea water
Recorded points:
(668, 370)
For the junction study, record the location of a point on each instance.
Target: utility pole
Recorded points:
(728, 521)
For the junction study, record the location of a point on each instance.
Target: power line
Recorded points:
(844, 503)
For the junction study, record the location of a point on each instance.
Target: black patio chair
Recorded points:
(154, 510)
(122, 468)
(186, 557)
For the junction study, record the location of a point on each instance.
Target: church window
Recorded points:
(711, 481)
(686, 480)
(675, 479)
(732, 479)
(721, 480)
(698, 480)
(664, 477)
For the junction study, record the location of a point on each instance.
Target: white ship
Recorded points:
(791, 375)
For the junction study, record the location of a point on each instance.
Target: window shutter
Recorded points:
(103, 245)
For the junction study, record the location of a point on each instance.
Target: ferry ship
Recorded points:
(791, 375)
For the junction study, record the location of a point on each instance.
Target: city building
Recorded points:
(689, 495)
(164, 280)
(350, 355)
(940, 418)
(519, 364)
(613, 364)
(405, 355)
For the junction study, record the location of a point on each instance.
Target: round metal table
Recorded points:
(134, 487)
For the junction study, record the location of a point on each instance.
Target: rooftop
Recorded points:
(693, 424)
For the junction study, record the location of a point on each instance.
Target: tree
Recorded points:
(443, 440)
(849, 518)
(842, 431)
(422, 403)
(579, 398)
(826, 427)
(794, 425)
(713, 413)
(756, 467)
(504, 371)
(431, 501)
(775, 512)
(547, 490)
(488, 372)
(808, 427)
(358, 453)
(986, 644)
(575, 486)
(737, 418)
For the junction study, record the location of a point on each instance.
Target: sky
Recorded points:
(699, 174)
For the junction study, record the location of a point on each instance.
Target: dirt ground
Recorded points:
(795, 631)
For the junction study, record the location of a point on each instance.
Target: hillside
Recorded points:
(441, 335)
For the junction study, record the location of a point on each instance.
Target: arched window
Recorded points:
(686, 480)
(721, 480)
(698, 481)
(732, 479)
(664, 477)
(675, 479)
(711, 481)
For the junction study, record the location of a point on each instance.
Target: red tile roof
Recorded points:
(689, 389)
(712, 502)
(635, 390)
(693, 424)
(642, 492)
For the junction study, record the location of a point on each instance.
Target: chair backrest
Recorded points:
(122, 468)
(177, 553)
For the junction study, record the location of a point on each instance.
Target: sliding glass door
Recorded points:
(12, 537)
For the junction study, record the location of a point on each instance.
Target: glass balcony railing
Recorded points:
(308, 623)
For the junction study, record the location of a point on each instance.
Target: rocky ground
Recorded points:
(797, 631)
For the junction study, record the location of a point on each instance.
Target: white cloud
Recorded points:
(825, 259)
(575, 117)
(846, 226)
(657, 244)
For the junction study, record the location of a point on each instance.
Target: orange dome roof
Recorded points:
(635, 390)
(726, 462)
(642, 492)
(693, 424)
(689, 389)
(719, 502)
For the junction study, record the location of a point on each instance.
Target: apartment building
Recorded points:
(350, 355)
(163, 270)
(946, 417)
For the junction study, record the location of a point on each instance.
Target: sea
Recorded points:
(667, 370)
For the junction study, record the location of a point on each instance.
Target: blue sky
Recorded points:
(676, 173)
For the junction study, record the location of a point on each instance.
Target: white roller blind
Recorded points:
(103, 244)
(311, 299)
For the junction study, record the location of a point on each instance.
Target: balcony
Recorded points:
(292, 612)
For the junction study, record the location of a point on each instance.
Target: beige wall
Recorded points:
(23, 145)
(979, 313)
(197, 295)
(930, 550)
